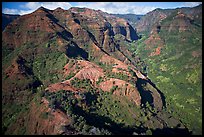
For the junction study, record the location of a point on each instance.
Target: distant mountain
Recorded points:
(7, 18)
(156, 16)
(131, 18)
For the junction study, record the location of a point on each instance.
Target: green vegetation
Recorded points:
(15, 111)
(109, 74)
(100, 79)
(74, 107)
(131, 72)
(84, 83)
(38, 66)
(119, 75)
(104, 112)
(177, 73)
(70, 76)
(47, 45)
(113, 89)
(111, 106)
(31, 67)
(47, 67)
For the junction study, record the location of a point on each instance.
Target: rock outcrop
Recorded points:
(123, 89)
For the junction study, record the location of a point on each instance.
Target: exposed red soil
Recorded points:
(157, 52)
(197, 53)
(180, 22)
(153, 40)
(87, 70)
(46, 126)
(30, 23)
(116, 70)
(60, 42)
(62, 86)
(15, 72)
(119, 64)
(13, 69)
(124, 89)
(90, 71)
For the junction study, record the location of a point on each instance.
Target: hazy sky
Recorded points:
(110, 7)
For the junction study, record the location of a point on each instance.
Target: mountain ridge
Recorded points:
(77, 66)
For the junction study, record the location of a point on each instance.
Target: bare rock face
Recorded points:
(87, 70)
(123, 89)
(180, 22)
(81, 26)
(101, 27)
(131, 33)
(150, 19)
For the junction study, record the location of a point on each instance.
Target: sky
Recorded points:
(140, 8)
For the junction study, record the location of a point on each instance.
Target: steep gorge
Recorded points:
(82, 51)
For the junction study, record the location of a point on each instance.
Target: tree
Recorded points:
(74, 101)
(69, 110)
(85, 129)
(52, 104)
(113, 89)
(131, 71)
(148, 132)
(47, 45)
